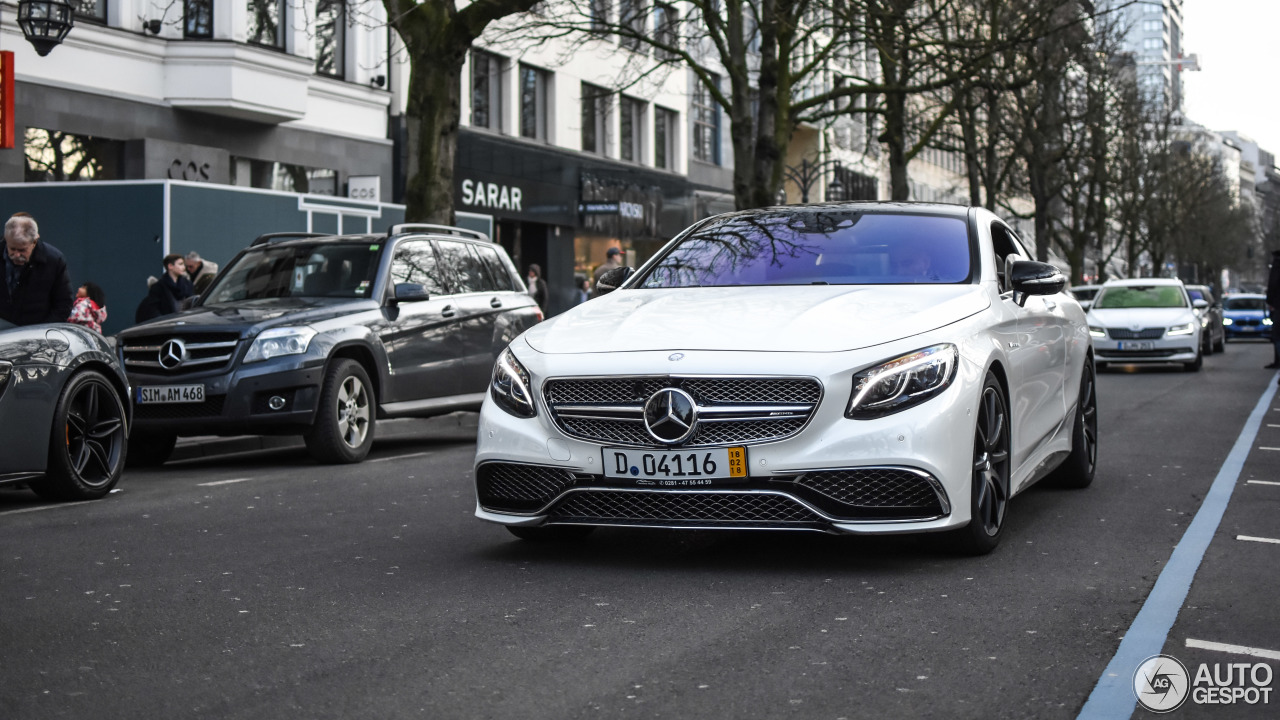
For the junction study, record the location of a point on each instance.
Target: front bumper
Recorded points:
(237, 402)
(1178, 349)
(903, 473)
(1247, 328)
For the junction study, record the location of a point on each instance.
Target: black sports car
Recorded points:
(60, 402)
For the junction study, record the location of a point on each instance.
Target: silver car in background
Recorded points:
(1145, 320)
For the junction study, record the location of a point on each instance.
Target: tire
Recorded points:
(88, 442)
(1206, 347)
(1194, 365)
(150, 450)
(1221, 345)
(989, 495)
(343, 429)
(1078, 469)
(551, 533)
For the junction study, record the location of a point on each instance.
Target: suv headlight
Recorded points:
(902, 382)
(280, 341)
(1183, 329)
(510, 386)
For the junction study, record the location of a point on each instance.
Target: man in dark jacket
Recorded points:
(36, 287)
(1273, 305)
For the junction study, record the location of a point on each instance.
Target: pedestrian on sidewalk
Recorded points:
(537, 286)
(200, 271)
(1273, 306)
(90, 308)
(35, 287)
(166, 294)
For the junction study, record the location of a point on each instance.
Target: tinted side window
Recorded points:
(467, 269)
(497, 269)
(415, 262)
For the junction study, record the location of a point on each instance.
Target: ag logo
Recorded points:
(1161, 683)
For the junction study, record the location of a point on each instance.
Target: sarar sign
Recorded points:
(478, 193)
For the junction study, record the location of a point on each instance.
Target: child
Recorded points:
(90, 308)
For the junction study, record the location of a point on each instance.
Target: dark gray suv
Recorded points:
(322, 336)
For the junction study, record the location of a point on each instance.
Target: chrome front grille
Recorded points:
(731, 410)
(738, 509)
(199, 351)
(1143, 334)
(517, 487)
(897, 489)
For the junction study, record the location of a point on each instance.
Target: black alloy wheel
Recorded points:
(88, 441)
(989, 499)
(1078, 469)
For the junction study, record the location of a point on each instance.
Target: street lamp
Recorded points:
(45, 23)
(808, 173)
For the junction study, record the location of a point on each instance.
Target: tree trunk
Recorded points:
(895, 140)
(432, 118)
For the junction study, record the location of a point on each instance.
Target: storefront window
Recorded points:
(331, 37)
(91, 10)
(285, 177)
(53, 156)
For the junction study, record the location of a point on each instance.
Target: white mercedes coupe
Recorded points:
(846, 368)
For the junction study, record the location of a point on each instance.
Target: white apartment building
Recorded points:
(275, 94)
(1154, 37)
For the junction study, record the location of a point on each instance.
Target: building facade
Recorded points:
(1153, 36)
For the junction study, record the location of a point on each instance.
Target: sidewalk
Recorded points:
(203, 446)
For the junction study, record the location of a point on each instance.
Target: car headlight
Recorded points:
(1183, 329)
(1097, 331)
(1266, 321)
(280, 341)
(510, 386)
(902, 382)
(1229, 321)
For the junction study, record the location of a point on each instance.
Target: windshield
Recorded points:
(817, 247)
(335, 270)
(1141, 296)
(1246, 304)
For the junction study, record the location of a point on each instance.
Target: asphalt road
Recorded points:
(265, 586)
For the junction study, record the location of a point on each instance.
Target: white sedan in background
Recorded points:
(848, 368)
(1145, 320)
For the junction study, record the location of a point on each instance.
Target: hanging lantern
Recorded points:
(45, 23)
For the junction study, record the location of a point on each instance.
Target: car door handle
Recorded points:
(495, 303)
(447, 311)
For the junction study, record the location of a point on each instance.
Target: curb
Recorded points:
(205, 446)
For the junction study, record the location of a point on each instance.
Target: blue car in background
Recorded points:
(1246, 316)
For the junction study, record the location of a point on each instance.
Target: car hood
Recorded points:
(826, 318)
(249, 317)
(1140, 317)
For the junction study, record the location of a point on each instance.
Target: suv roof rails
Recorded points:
(272, 237)
(444, 229)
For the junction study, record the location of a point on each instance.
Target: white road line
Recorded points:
(1235, 649)
(224, 482)
(1261, 482)
(1263, 447)
(1258, 539)
(1272, 425)
(38, 509)
(399, 457)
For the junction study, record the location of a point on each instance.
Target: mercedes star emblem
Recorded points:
(670, 416)
(172, 354)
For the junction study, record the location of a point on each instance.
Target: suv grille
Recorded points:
(1144, 334)
(739, 509)
(198, 352)
(731, 410)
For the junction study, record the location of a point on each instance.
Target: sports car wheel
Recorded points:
(87, 445)
(990, 487)
(551, 532)
(343, 429)
(1078, 469)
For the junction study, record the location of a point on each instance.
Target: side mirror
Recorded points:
(411, 292)
(612, 280)
(1028, 277)
(1199, 304)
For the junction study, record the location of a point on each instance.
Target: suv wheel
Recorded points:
(87, 446)
(343, 431)
(150, 450)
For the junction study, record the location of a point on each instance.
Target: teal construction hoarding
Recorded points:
(115, 233)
